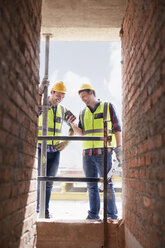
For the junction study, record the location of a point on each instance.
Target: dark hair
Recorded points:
(87, 90)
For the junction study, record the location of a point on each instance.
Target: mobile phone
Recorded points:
(68, 114)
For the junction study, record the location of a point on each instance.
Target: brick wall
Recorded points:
(19, 70)
(143, 51)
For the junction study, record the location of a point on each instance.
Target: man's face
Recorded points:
(85, 97)
(57, 97)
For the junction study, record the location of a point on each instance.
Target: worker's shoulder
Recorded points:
(83, 110)
(110, 104)
(106, 102)
(63, 107)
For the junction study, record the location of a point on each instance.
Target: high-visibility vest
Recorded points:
(54, 124)
(93, 125)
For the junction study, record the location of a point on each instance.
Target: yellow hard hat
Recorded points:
(86, 87)
(59, 87)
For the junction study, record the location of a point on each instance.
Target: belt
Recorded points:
(49, 148)
(96, 151)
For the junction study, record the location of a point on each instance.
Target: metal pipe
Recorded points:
(44, 132)
(47, 55)
(105, 171)
(70, 138)
(70, 179)
(105, 186)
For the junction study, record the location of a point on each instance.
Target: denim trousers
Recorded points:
(53, 159)
(93, 166)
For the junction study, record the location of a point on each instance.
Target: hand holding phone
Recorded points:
(68, 114)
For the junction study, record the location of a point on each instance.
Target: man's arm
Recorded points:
(41, 91)
(115, 121)
(117, 131)
(115, 124)
(118, 138)
(76, 129)
(61, 145)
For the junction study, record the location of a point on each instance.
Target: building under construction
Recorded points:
(140, 25)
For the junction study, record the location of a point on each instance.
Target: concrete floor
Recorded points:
(76, 210)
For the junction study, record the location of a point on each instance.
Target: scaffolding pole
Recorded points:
(76, 138)
(105, 171)
(70, 179)
(44, 130)
(105, 187)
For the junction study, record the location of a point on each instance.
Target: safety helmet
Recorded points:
(85, 87)
(59, 87)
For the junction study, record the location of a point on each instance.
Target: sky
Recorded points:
(75, 63)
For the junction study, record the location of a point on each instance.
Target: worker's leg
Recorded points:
(90, 170)
(111, 201)
(52, 168)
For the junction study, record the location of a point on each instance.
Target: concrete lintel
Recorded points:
(83, 20)
(82, 34)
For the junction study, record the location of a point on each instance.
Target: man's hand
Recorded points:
(71, 119)
(118, 152)
(42, 86)
(60, 146)
(109, 139)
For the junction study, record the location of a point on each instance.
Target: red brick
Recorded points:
(141, 161)
(5, 191)
(148, 159)
(157, 220)
(6, 174)
(7, 123)
(158, 141)
(163, 70)
(147, 105)
(157, 94)
(148, 202)
(151, 189)
(161, 188)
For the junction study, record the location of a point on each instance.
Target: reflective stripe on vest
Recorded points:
(93, 125)
(54, 124)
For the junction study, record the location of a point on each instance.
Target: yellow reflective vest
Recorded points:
(54, 124)
(93, 125)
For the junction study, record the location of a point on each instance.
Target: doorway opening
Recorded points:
(75, 63)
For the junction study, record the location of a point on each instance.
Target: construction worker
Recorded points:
(91, 123)
(56, 115)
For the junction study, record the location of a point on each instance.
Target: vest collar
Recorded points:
(95, 107)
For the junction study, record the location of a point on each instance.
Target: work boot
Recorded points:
(48, 215)
(110, 220)
(90, 218)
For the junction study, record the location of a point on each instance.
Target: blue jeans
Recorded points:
(94, 165)
(53, 159)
